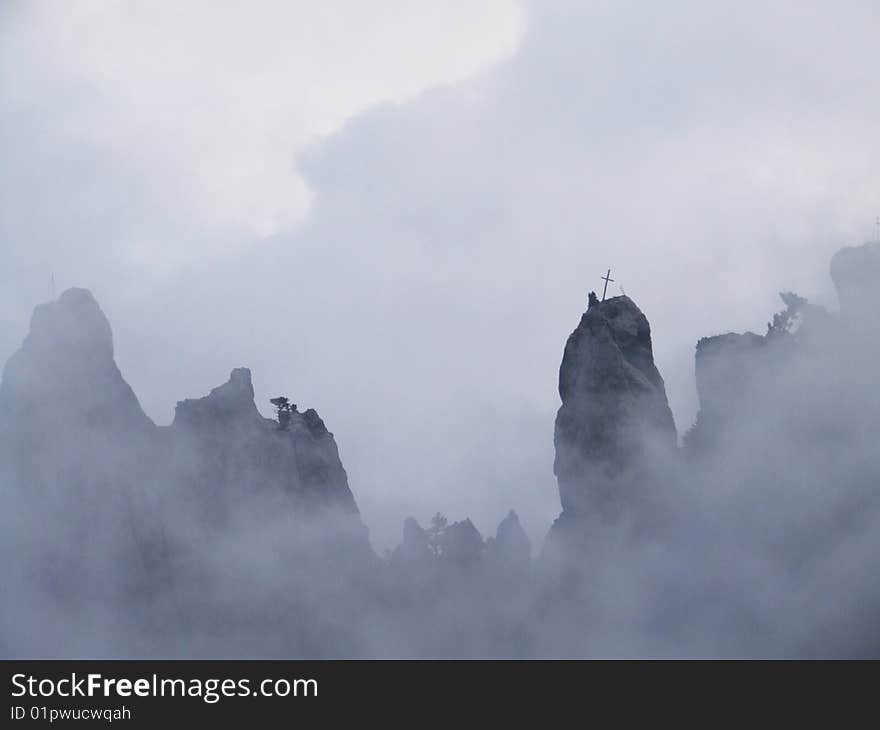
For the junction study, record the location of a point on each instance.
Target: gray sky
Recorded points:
(394, 214)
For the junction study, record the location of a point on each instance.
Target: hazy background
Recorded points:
(395, 217)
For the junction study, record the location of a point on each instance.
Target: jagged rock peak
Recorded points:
(512, 545)
(235, 398)
(510, 528)
(464, 543)
(239, 387)
(66, 362)
(619, 323)
(314, 423)
(413, 549)
(613, 399)
(74, 323)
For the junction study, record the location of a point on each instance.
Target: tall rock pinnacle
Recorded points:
(614, 405)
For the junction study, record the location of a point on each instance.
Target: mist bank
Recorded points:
(228, 534)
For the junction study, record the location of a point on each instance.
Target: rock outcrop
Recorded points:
(63, 399)
(739, 376)
(724, 367)
(614, 406)
(226, 449)
(73, 434)
(78, 458)
(69, 423)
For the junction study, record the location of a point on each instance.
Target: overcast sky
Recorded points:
(393, 211)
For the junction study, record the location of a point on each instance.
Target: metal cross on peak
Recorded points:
(607, 278)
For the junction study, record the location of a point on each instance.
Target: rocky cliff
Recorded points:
(121, 501)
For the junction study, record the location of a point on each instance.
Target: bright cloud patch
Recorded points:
(211, 103)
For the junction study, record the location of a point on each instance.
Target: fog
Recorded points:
(456, 217)
(395, 219)
(754, 539)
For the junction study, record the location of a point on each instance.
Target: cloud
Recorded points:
(212, 103)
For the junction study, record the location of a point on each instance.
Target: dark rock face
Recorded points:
(614, 403)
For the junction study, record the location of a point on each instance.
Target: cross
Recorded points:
(606, 279)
